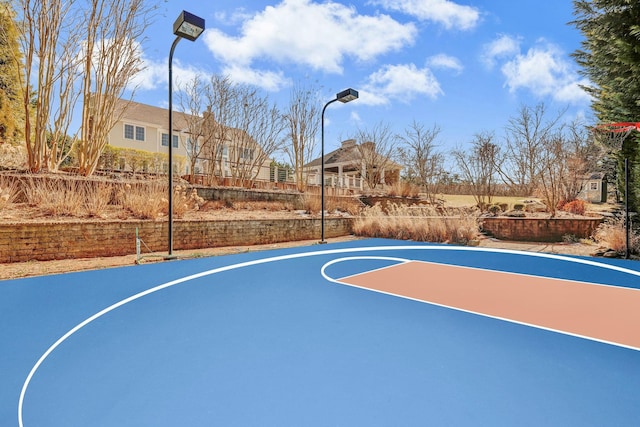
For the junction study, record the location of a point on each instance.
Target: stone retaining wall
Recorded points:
(67, 240)
(539, 229)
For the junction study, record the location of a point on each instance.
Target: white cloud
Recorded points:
(502, 47)
(401, 83)
(151, 76)
(317, 35)
(446, 62)
(268, 80)
(545, 71)
(446, 12)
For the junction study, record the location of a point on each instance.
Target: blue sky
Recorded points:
(466, 66)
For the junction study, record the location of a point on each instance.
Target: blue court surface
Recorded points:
(269, 339)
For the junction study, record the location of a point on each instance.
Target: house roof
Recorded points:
(347, 153)
(151, 115)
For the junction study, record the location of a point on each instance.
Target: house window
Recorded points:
(223, 150)
(192, 146)
(139, 133)
(165, 140)
(134, 132)
(594, 186)
(246, 154)
(128, 131)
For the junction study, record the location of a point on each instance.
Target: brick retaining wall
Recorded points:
(539, 229)
(66, 240)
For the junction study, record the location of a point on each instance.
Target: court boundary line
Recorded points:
(477, 313)
(259, 261)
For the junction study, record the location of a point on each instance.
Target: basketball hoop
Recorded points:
(617, 133)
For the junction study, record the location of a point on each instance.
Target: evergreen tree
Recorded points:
(10, 110)
(610, 59)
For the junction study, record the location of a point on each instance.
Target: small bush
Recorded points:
(577, 207)
(518, 207)
(495, 209)
(185, 200)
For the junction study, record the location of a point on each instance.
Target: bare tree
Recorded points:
(43, 30)
(62, 140)
(191, 103)
(111, 58)
(219, 93)
(93, 62)
(583, 155)
(525, 145)
(376, 147)
(423, 164)
(258, 135)
(245, 130)
(478, 167)
(301, 118)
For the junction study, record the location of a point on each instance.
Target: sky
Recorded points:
(466, 66)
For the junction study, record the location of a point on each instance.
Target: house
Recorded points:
(145, 127)
(347, 168)
(595, 188)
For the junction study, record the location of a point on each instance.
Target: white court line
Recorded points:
(452, 307)
(139, 295)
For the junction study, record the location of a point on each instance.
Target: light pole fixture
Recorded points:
(344, 97)
(187, 26)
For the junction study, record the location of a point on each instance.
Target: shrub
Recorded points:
(494, 209)
(184, 201)
(577, 207)
(518, 207)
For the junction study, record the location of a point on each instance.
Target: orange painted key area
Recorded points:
(600, 312)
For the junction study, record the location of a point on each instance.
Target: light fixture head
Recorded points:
(188, 26)
(347, 95)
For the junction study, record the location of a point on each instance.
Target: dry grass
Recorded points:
(424, 224)
(98, 198)
(144, 201)
(403, 188)
(9, 191)
(312, 203)
(57, 197)
(613, 236)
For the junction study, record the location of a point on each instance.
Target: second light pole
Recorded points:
(187, 26)
(344, 97)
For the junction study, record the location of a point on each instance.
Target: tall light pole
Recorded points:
(187, 26)
(344, 97)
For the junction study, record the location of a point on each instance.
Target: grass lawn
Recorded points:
(461, 200)
(465, 200)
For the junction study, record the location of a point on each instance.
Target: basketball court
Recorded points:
(363, 333)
